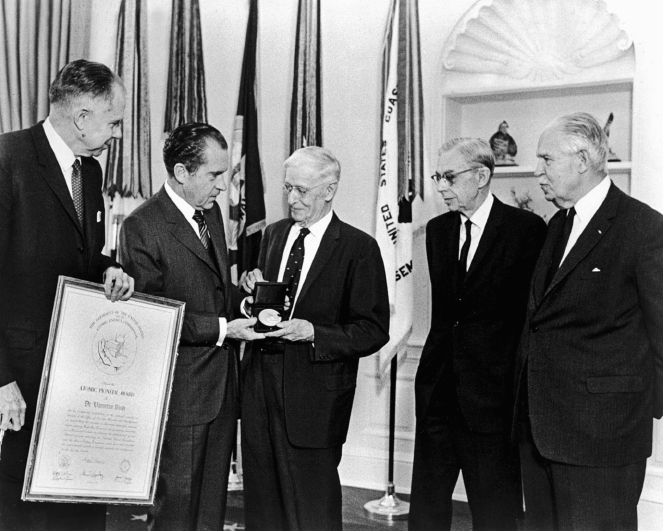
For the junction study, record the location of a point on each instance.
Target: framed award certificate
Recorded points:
(103, 399)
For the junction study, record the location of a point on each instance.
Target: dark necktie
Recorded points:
(293, 267)
(77, 189)
(202, 228)
(560, 246)
(462, 261)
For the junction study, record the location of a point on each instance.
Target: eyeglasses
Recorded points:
(300, 190)
(449, 177)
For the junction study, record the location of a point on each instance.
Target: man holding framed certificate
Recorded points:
(51, 224)
(174, 245)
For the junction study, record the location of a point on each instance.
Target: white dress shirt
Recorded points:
(311, 245)
(188, 211)
(585, 210)
(479, 220)
(63, 153)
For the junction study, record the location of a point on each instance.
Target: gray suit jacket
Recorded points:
(160, 249)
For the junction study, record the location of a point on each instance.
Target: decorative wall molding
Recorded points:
(540, 41)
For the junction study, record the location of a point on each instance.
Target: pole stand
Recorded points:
(389, 507)
(235, 481)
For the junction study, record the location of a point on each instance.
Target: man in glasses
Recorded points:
(300, 383)
(481, 255)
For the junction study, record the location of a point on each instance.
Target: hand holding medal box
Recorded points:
(269, 305)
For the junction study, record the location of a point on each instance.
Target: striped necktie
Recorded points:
(202, 228)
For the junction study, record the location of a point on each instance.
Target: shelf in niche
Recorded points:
(528, 171)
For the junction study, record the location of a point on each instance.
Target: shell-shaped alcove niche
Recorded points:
(539, 41)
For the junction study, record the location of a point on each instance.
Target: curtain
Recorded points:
(186, 101)
(306, 108)
(128, 170)
(35, 46)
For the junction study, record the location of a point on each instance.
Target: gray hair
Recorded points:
(473, 150)
(83, 78)
(317, 158)
(581, 131)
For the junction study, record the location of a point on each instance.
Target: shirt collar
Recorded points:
(187, 210)
(319, 227)
(63, 152)
(587, 206)
(480, 217)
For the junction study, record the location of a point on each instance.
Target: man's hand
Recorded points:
(294, 330)
(118, 285)
(243, 329)
(248, 280)
(12, 407)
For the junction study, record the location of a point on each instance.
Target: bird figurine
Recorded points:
(504, 146)
(612, 156)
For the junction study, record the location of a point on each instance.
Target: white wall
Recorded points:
(352, 32)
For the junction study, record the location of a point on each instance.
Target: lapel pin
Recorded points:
(600, 232)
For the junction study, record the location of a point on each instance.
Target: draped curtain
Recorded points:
(35, 46)
(186, 101)
(306, 108)
(128, 170)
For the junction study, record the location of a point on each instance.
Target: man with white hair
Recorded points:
(590, 363)
(300, 383)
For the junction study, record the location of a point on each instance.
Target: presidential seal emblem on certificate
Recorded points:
(103, 400)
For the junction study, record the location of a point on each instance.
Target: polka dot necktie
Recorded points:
(293, 267)
(77, 189)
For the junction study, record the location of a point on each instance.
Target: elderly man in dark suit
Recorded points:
(174, 245)
(300, 383)
(51, 224)
(481, 255)
(590, 363)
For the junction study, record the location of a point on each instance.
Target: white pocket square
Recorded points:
(596, 270)
(98, 216)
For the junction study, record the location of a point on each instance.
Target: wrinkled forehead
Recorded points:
(303, 174)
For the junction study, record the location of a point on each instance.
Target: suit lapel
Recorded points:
(218, 237)
(89, 204)
(276, 250)
(52, 173)
(555, 226)
(182, 230)
(490, 233)
(592, 234)
(326, 249)
(453, 243)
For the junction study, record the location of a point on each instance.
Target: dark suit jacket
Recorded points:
(345, 298)
(593, 341)
(40, 239)
(160, 249)
(476, 326)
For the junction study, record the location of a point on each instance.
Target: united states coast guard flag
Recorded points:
(401, 167)
(246, 193)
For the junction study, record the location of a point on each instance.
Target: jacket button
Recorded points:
(534, 329)
(219, 289)
(81, 250)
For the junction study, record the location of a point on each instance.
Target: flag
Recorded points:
(401, 170)
(246, 191)
(306, 108)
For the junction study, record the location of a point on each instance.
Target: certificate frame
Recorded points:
(103, 398)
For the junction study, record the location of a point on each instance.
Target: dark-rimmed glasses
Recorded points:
(449, 177)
